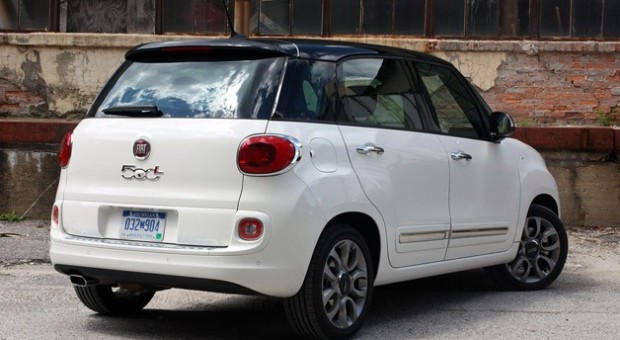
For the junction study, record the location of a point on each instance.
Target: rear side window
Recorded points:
(378, 92)
(198, 89)
(308, 91)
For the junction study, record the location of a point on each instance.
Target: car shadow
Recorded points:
(248, 317)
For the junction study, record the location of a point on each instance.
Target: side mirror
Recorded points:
(502, 126)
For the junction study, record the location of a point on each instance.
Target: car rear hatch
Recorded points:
(156, 159)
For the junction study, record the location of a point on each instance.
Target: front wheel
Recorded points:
(337, 291)
(542, 253)
(111, 300)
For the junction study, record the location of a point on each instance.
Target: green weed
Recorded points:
(10, 217)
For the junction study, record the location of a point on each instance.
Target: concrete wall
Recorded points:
(539, 82)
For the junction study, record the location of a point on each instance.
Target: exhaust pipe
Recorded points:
(82, 281)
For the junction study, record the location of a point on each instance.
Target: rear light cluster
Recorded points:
(64, 154)
(264, 155)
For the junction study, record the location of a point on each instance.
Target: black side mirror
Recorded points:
(502, 126)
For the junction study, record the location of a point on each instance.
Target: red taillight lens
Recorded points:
(65, 150)
(250, 229)
(268, 154)
(55, 214)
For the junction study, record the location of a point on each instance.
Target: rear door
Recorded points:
(156, 159)
(403, 171)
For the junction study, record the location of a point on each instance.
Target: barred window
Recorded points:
(462, 19)
(577, 18)
(194, 16)
(26, 15)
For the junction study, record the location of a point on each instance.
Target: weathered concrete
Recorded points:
(28, 179)
(589, 185)
(539, 82)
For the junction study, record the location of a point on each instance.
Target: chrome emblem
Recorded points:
(141, 149)
(133, 172)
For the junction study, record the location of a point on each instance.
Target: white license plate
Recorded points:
(143, 225)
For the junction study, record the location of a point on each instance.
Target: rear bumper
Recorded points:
(257, 273)
(156, 281)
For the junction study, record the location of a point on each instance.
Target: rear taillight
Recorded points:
(268, 154)
(64, 155)
(250, 229)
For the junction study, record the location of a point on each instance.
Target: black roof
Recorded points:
(330, 50)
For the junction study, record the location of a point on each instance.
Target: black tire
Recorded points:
(541, 256)
(109, 300)
(349, 288)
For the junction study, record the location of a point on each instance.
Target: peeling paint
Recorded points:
(482, 68)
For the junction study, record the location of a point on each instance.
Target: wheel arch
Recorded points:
(547, 201)
(369, 230)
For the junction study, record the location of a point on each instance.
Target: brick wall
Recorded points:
(17, 102)
(559, 88)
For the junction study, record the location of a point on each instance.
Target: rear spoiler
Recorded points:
(221, 49)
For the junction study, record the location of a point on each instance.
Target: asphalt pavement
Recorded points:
(584, 303)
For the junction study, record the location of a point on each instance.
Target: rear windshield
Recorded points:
(195, 89)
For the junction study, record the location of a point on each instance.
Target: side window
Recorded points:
(377, 92)
(455, 110)
(308, 91)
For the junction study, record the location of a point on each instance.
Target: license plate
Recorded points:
(143, 225)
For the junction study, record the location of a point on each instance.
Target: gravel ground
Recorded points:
(24, 242)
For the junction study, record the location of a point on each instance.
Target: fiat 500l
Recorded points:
(310, 171)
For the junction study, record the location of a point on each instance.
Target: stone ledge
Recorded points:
(126, 41)
(578, 139)
(34, 131)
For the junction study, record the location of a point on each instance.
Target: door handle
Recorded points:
(458, 155)
(368, 148)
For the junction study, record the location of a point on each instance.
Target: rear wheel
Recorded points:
(111, 300)
(542, 253)
(337, 291)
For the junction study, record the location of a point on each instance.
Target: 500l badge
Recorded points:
(133, 172)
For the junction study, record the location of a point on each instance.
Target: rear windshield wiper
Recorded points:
(134, 111)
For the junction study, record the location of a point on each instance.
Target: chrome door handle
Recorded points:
(368, 148)
(457, 156)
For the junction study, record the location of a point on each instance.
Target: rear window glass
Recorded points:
(197, 89)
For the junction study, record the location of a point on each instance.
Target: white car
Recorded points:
(312, 171)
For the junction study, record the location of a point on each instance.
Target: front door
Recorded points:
(484, 189)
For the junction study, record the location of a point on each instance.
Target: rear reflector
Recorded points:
(64, 155)
(55, 214)
(268, 154)
(250, 229)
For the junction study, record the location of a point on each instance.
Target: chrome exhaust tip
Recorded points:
(82, 281)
